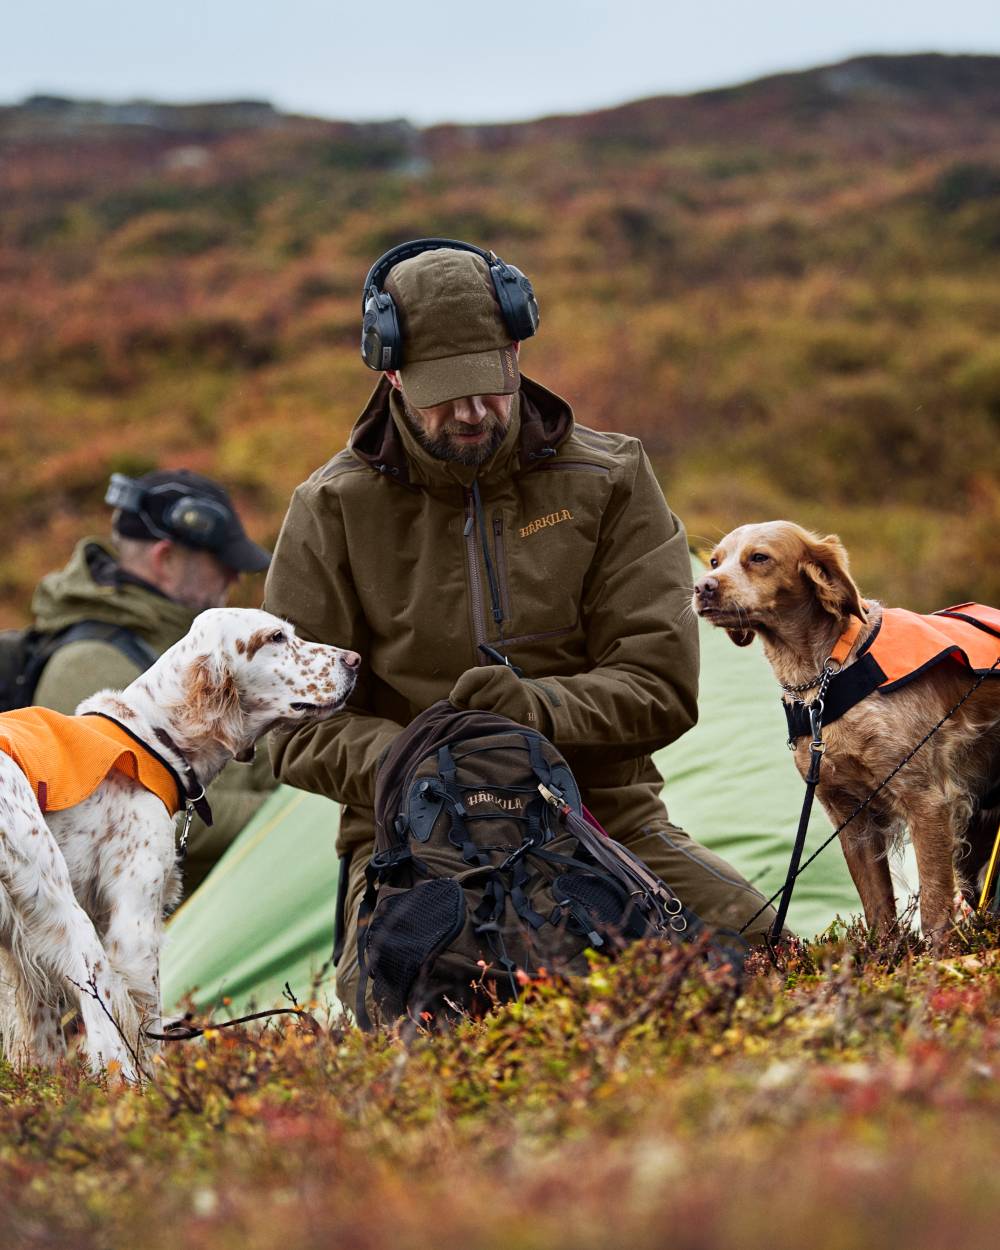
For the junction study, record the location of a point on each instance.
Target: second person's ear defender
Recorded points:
(381, 340)
(191, 519)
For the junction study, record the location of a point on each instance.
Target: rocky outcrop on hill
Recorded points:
(49, 116)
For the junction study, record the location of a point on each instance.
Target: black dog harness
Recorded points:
(902, 647)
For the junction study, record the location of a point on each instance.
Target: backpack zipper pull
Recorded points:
(553, 798)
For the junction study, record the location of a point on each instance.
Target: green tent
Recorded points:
(264, 916)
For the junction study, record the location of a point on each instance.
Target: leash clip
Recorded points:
(189, 814)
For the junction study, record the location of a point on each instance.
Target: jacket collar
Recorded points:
(428, 470)
(541, 423)
(93, 587)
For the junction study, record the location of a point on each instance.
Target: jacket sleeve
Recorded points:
(80, 669)
(310, 584)
(641, 689)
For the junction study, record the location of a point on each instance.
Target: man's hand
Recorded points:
(497, 688)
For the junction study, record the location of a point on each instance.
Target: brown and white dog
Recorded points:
(793, 588)
(83, 890)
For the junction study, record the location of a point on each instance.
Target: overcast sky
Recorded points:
(444, 60)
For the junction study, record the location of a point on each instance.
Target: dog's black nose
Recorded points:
(706, 589)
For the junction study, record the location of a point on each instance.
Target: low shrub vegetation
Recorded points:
(848, 1100)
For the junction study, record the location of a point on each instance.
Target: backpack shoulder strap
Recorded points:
(124, 640)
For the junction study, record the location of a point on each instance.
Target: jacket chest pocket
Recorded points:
(542, 565)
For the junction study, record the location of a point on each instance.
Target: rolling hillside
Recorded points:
(790, 289)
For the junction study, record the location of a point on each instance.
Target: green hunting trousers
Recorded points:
(702, 880)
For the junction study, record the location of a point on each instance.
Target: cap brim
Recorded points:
(243, 556)
(430, 382)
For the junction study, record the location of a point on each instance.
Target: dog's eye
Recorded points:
(759, 557)
(277, 636)
(714, 562)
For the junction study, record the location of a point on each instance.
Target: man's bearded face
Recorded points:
(467, 430)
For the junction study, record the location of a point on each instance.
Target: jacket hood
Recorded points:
(546, 420)
(93, 587)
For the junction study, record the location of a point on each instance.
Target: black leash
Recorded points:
(183, 1030)
(794, 870)
(816, 749)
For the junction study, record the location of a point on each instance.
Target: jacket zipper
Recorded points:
(500, 551)
(475, 578)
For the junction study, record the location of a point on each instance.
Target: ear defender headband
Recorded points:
(191, 519)
(381, 340)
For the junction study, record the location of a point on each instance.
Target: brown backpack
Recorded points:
(487, 865)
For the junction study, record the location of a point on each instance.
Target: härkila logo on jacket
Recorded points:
(540, 523)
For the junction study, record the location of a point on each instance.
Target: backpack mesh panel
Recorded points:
(610, 907)
(407, 930)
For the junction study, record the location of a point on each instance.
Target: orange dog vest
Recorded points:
(904, 646)
(65, 758)
(907, 644)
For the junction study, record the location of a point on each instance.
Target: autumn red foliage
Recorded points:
(789, 289)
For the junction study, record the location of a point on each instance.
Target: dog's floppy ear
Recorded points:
(742, 637)
(211, 706)
(824, 565)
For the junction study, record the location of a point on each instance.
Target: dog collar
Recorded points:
(188, 787)
(841, 650)
(842, 647)
(193, 790)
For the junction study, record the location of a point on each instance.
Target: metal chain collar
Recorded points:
(826, 673)
(804, 685)
(815, 709)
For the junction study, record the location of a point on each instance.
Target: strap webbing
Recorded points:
(844, 690)
(539, 764)
(812, 781)
(842, 647)
(124, 640)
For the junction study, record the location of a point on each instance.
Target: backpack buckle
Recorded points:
(382, 861)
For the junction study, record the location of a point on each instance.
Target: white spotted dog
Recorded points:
(84, 888)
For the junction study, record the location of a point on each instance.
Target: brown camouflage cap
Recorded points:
(455, 340)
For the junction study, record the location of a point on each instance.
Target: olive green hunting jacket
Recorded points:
(559, 553)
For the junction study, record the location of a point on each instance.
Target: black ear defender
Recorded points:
(381, 340)
(191, 519)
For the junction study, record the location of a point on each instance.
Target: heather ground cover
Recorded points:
(850, 1100)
